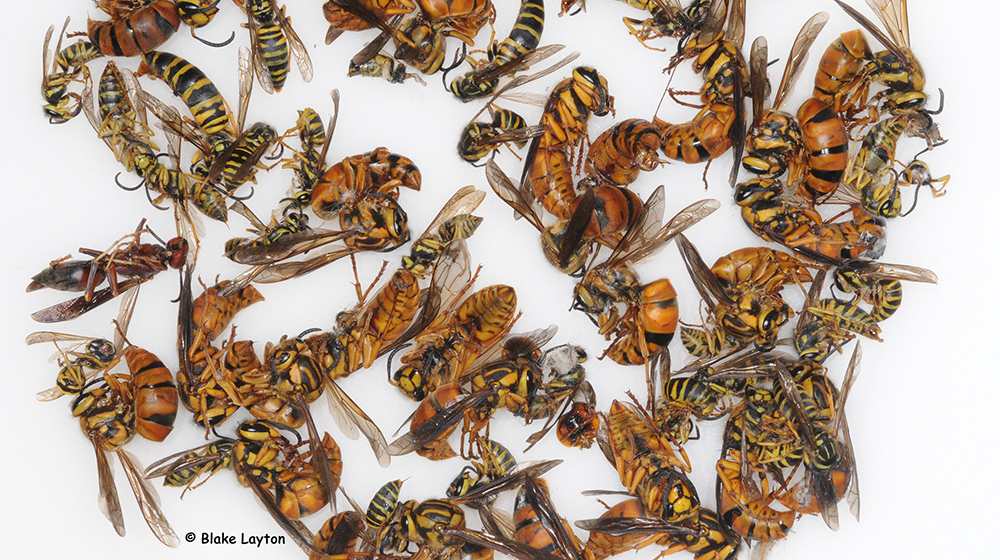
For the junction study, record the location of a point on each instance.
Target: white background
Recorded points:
(920, 413)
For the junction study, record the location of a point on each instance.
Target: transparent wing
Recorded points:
(435, 426)
(521, 80)
(758, 79)
(75, 307)
(709, 287)
(870, 27)
(107, 497)
(318, 458)
(350, 419)
(464, 201)
(647, 236)
(505, 188)
(887, 271)
(299, 51)
(517, 64)
(148, 499)
(452, 276)
(894, 18)
(799, 54)
(256, 62)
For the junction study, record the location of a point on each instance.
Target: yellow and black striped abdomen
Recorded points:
(719, 67)
(193, 87)
(312, 129)
(72, 58)
(383, 503)
(878, 150)
(111, 101)
(272, 47)
(240, 165)
(886, 297)
(525, 35)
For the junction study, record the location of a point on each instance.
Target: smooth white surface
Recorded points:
(921, 412)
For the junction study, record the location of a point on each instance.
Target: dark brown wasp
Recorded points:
(126, 263)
